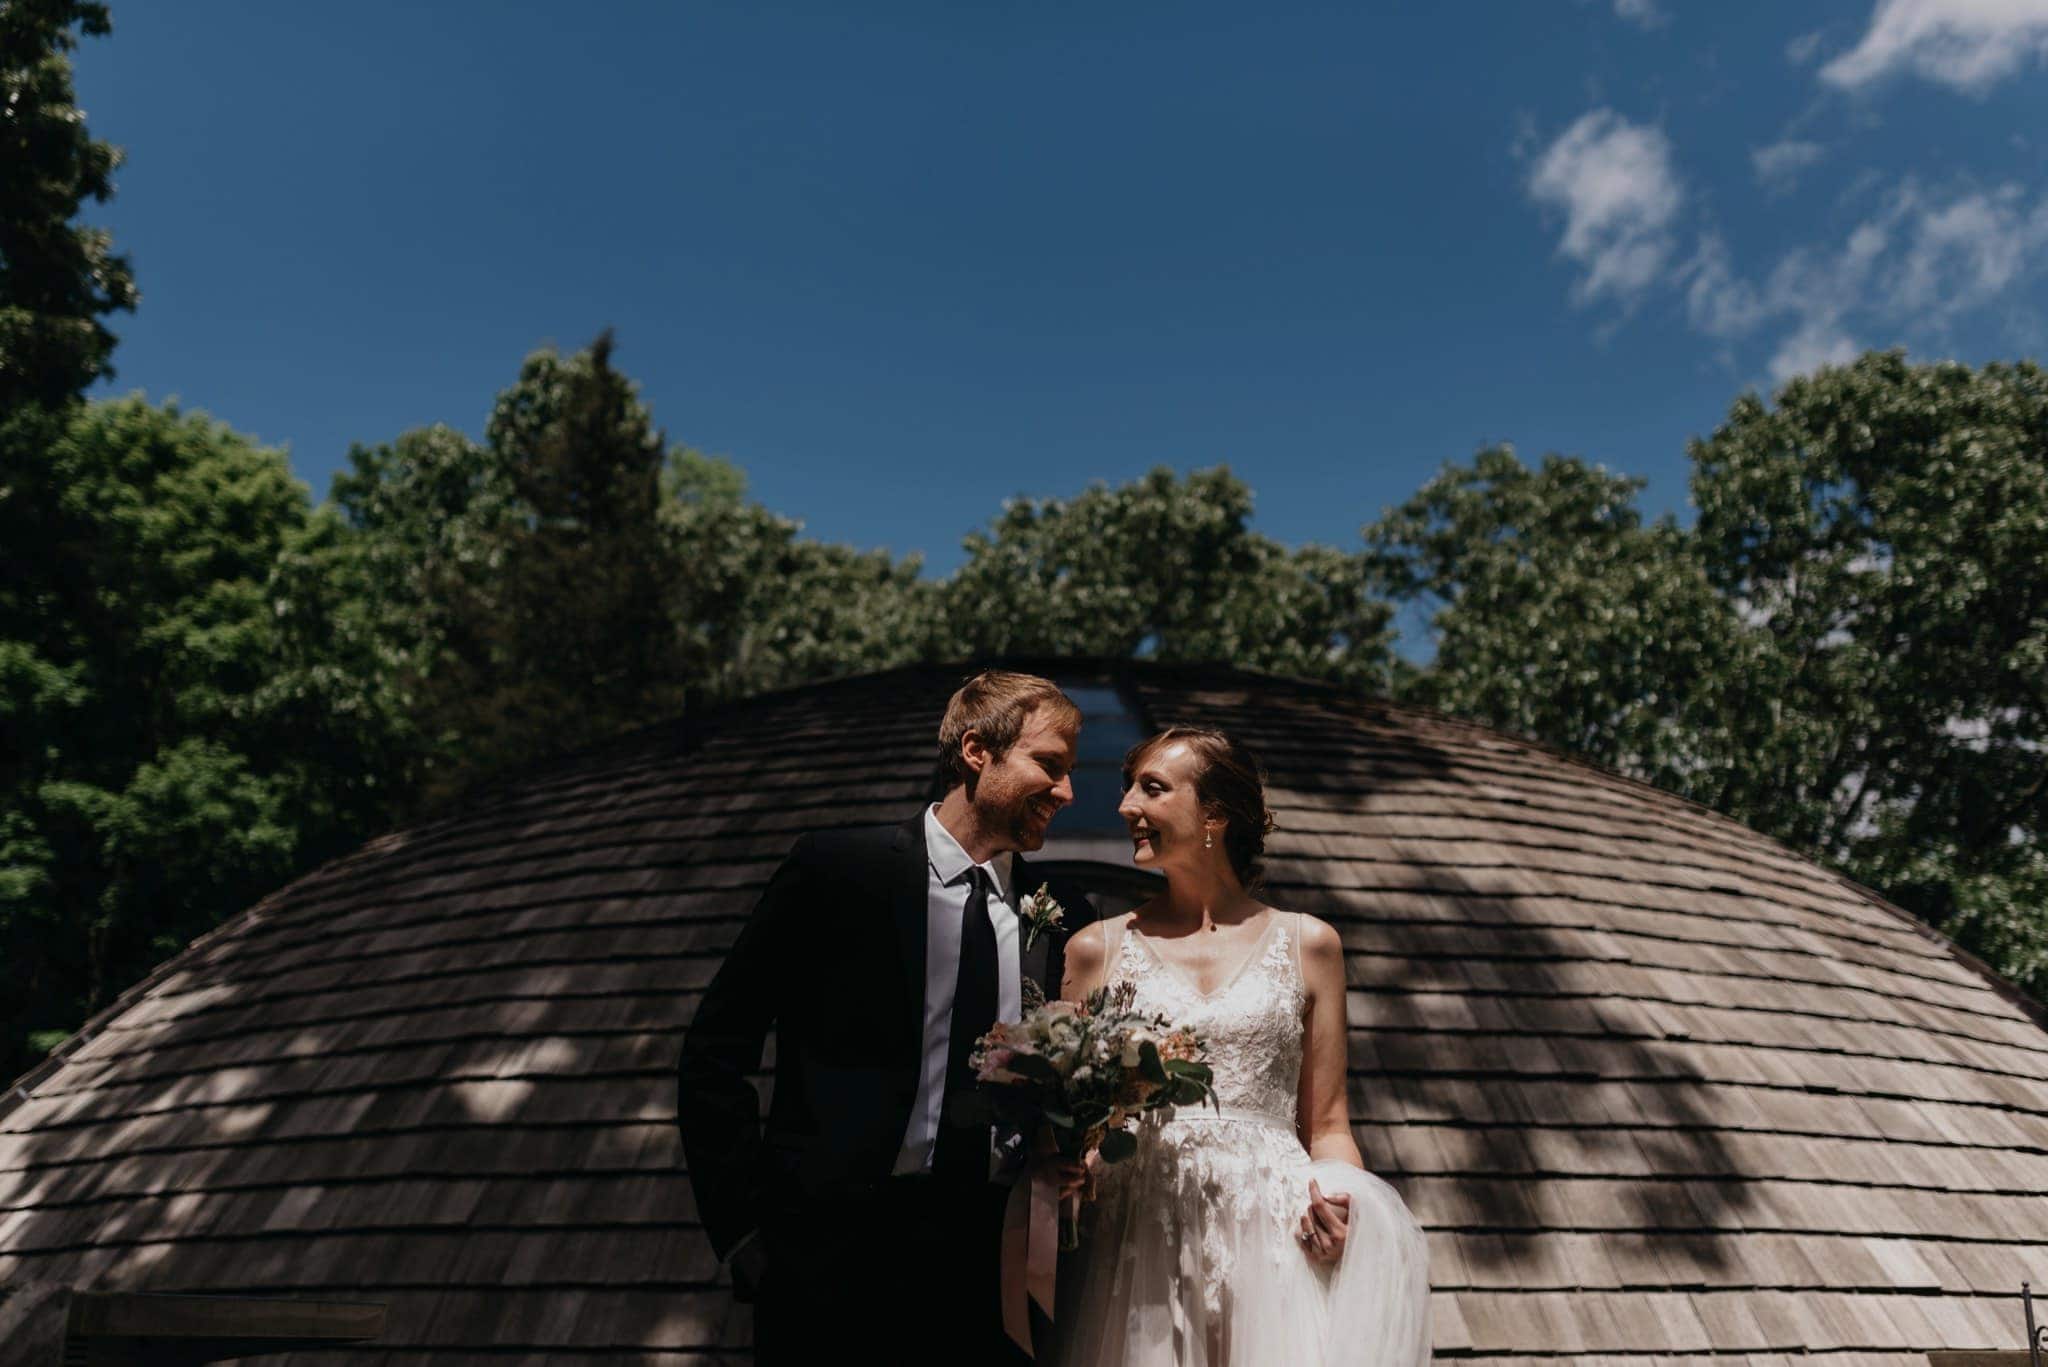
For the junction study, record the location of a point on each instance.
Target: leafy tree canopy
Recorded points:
(1885, 525)
(572, 576)
(1849, 651)
(1558, 614)
(56, 278)
(152, 786)
(1169, 568)
(761, 606)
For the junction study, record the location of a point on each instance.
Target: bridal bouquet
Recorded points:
(1072, 1078)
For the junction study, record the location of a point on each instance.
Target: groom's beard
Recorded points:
(1026, 827)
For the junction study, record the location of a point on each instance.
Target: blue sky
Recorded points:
(901, 262)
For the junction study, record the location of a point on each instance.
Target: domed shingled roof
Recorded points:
(1653, 1084)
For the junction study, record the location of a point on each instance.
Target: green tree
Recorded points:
(556, 630)
(1169, 568)
(149, 788)
(56, 278)
(345, 655)
(1886, 525)
(566, 578)
(1849, 651)
(1558, 614)
(397, 574)
(760, 606)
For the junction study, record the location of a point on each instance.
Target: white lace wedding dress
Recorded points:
(1188, 1256)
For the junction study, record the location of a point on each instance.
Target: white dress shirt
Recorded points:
(946, 888)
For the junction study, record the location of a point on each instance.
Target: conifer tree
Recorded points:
(57, 277)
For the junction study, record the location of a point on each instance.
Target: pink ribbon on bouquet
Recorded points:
(1030, 1253)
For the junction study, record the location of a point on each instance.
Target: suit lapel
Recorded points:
(910, 899)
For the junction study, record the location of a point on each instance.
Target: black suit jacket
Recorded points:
(833, 960)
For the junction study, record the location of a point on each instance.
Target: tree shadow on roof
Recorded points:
(1500, 1072)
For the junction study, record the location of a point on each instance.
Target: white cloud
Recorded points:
(1642, 13)
(1717, 301)
(1778, 166)
(1612, 180)
(1815, 291)
(1801, 50)
(1912, 267)
(1815, 343)
(1968, 44)
(1967, 252)
(1918, 263)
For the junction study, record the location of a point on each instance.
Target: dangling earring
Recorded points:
(1208, 840)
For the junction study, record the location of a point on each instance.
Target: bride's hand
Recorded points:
(1324, 1224)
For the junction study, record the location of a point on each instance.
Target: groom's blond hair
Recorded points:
(993, 705)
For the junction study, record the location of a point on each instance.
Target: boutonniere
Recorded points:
(1040, 912)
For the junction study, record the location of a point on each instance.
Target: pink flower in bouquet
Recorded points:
(1181, 1044)
(1072, 1079)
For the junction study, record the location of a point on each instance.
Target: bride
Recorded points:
(1253, 1236)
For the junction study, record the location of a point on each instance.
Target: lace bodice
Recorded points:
(1252, 1024)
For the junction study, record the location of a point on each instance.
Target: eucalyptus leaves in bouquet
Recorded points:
(1073, 1078)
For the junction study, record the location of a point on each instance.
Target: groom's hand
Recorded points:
(1324, 1225)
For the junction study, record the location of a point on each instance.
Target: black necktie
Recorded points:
(962, 1150)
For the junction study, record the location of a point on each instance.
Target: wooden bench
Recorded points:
(48, 1325)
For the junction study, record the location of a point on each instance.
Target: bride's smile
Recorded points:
(1161, 810)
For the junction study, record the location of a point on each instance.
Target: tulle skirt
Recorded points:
(1188, 1259)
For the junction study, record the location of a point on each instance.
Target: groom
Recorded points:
(866, 1215)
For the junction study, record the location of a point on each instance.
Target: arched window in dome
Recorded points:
(1088, 843)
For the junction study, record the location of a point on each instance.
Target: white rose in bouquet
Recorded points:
(1072, 1078)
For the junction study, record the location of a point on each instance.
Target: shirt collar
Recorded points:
(951, 863)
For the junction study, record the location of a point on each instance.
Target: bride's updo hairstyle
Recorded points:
(1229, 782)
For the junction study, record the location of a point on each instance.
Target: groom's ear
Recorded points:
(974, 754)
